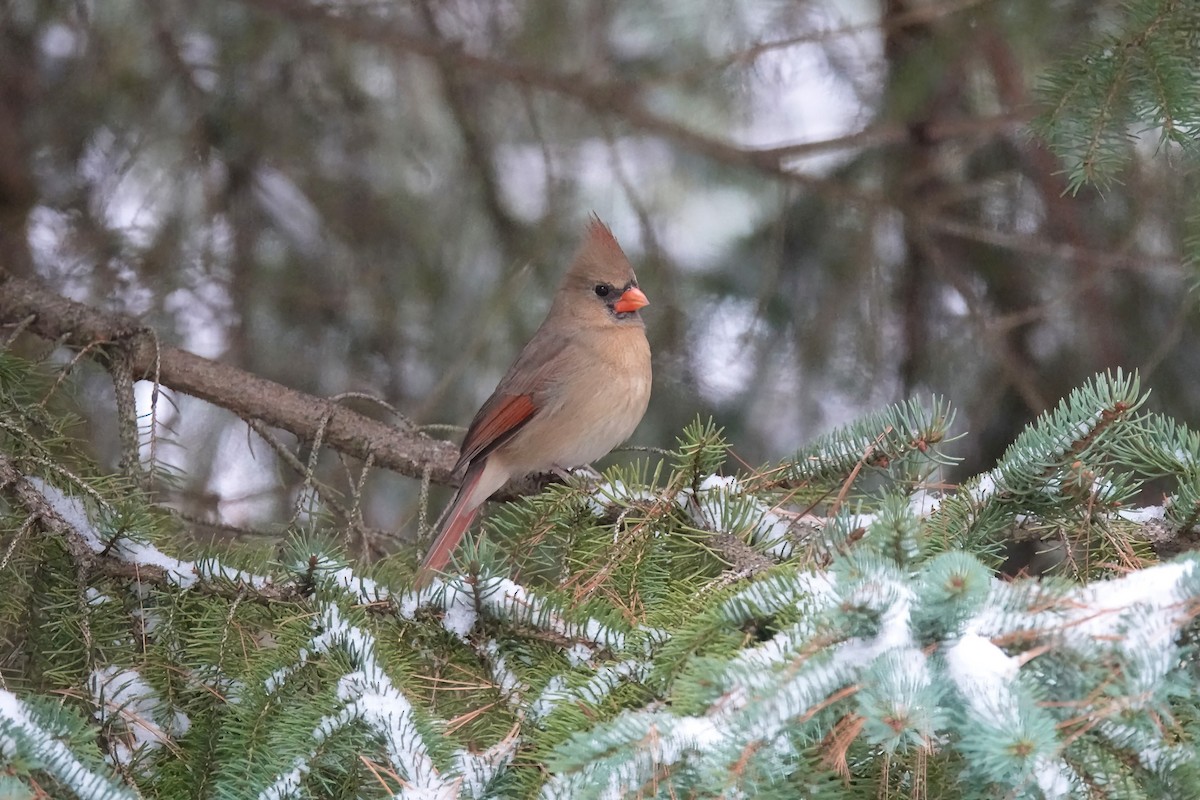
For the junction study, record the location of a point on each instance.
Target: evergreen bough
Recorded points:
(830, 626)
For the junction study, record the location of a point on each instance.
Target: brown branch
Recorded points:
(408, 452)
(891, 134)
(1051, 249)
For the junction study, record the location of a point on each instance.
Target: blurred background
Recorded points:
(832, 205)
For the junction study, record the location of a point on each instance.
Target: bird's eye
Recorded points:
(602, 289)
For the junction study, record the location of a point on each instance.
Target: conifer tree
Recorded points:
(835, 625)
(677, 627)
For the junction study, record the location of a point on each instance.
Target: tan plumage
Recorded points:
(576, 391)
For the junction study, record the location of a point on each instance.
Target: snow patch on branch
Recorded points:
(20, 734)
(460, 601)
(1138, 615)
(125, 695)
(719, 497)
(184, 574)
(1143, 515)
(593, 692)
(985, 677)
(983, 674)
(618, 493)
(368, 696)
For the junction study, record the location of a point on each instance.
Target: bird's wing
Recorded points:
(497, 422)
(515, 401)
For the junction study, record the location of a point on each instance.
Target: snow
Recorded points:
(371, 697)
(505, 599)
(894, 629)
(287, 784)
(984, 674)
(579, 654)
(666, 741)
(727, 482)
(409, 603)
(1143, 515)
(459, 614)
(368, 695)
(460, 602)
(95, 597)
(1157, 587)
(55, 757)
(208, 569)
(923, 503)
(615, 493)
(711, 497)
(476, 771)
(1146, 604)
(693, 733)
(181, 573)
(773, 529)
(366, 590)
(184, 574)
(817, 589)
(72, 510)
(552, 695)
(985, 488)
(510, 686)
(150, 619)
(760, 523)
(1054, 777)
(148, 721)
(593, 691)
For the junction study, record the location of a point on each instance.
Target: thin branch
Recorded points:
(922, 15)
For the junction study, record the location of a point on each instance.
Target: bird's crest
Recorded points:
(600, 257)
(600, 234)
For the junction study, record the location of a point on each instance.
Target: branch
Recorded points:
(39, 508)
(408, 452)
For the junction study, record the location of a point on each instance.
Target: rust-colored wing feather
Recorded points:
(497, 422)
(514, 402)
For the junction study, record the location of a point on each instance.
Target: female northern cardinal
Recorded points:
(577, 390)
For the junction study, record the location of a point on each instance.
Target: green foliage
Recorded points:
(882, 441)
(829, 626)
(1143, 75)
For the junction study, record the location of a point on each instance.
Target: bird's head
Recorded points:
(600, 285)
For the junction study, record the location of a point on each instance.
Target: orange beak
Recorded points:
(631, 300)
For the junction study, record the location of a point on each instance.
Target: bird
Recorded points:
(578, 389)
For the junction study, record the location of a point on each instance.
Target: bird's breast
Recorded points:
(594, 407)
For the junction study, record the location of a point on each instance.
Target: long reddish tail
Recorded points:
(463, 509)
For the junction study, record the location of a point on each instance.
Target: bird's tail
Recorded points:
(462, 511)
